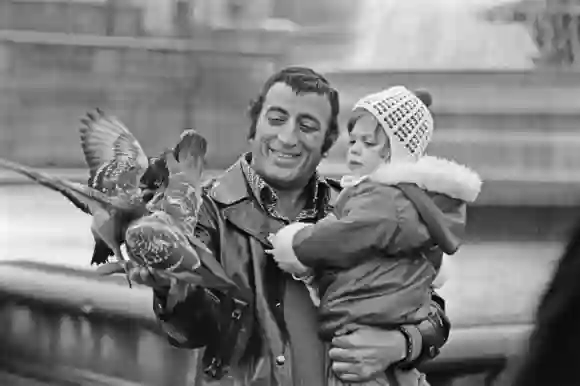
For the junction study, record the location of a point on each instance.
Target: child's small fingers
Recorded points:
(346, 330)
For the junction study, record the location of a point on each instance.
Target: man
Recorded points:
(268, 333)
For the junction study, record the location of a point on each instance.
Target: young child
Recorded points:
(374, 261)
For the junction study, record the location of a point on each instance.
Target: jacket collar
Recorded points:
(231, 187)
(231, 193)
(437, 175)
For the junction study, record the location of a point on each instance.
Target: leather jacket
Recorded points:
(233, 329)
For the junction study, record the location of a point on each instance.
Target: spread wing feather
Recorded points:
(83, 197)
(104, 139)
(47, 181)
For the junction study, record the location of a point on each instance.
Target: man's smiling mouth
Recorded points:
(281, 154)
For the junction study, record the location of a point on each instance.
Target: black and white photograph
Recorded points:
(289, 192)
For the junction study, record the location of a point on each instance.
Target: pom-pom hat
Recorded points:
(406, 119)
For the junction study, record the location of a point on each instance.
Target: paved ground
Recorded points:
(491, 282)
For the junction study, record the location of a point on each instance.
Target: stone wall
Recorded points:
(156, 87)
(98, 17)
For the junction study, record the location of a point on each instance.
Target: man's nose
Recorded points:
(287, 134)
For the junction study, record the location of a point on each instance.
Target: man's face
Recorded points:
(290, 132)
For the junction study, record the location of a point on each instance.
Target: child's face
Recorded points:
(368, 146)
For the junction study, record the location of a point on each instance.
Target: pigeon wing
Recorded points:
(106, 141)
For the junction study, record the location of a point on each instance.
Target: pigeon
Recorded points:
(165, 239)
(111, 213)
(120, 178)
(118, 165)
(158, 234)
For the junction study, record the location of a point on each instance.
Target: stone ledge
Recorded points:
(255, 43)
(474, 92)
(19, 372)
(501, 187)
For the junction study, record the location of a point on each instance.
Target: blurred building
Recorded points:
(60, 57)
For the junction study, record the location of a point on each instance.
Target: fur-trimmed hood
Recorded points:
(433, 174)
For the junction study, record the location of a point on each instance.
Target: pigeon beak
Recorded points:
(166, 153)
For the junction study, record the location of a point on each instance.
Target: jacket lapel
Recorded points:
(232, 194)
(231, 191)
(249, 219)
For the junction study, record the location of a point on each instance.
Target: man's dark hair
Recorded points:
(302, 80)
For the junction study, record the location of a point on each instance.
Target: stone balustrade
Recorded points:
(65, 326)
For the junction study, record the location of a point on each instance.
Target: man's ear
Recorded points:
(249, 145)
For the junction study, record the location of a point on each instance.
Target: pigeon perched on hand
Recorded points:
(118, 166)
(165, 239)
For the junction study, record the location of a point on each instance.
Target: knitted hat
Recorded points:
(406, 119)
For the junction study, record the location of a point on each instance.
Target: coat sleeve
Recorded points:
(428, 337)
(192, 323)
(369, 221)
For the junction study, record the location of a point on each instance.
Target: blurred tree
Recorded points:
(553, 24)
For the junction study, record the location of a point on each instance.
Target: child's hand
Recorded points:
(283, 252)
(287, 263)
(444, 272)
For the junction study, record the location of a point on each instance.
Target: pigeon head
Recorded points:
(191, 143)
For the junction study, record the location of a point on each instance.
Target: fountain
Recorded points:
(436, 34)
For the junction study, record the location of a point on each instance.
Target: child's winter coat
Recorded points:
(375, 262)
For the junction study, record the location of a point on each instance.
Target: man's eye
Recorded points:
(276, 120)
(307, 128)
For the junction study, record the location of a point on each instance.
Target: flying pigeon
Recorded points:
(112, 214)
(118, 166)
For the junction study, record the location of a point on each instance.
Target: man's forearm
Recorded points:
(191, 323)
(426, 339)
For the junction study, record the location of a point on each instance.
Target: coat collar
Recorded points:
(233, 186)
(233, 195)
(230, 187)
(437, 175)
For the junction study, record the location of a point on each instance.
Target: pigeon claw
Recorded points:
(126, 268)
(178, 291)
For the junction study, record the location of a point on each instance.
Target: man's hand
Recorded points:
(145, 276)
(362, 353)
